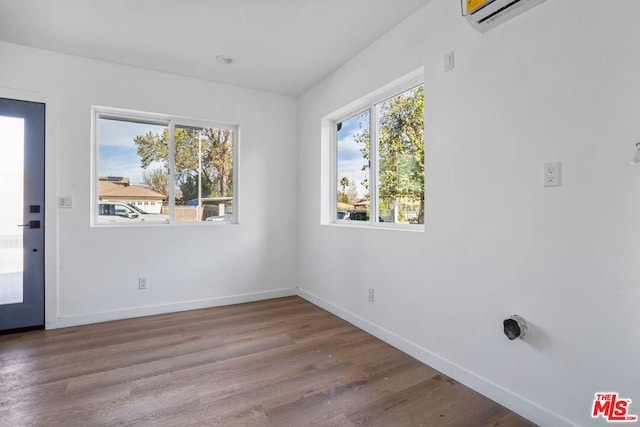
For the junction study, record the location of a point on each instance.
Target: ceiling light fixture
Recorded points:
(224, 59)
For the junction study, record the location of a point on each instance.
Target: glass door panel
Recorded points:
(11, 214)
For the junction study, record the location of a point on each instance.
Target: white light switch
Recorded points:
(65, 201)
(448, 61)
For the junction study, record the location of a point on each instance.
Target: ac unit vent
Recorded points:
(488, 14)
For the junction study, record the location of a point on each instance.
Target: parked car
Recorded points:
(224, 218)
(125, 212)
(149, 216)
(360, 215)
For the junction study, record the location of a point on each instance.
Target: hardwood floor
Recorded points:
(282, 362)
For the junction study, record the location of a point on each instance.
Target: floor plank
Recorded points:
(281, 362)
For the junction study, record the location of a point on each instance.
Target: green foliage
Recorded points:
(345, 196)
(400, 148)
(189, 188)
(216, 146)
(344, 183)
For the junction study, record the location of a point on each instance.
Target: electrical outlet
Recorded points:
(142, 282)
(371, 295)
(552, 174)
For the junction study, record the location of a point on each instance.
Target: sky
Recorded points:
(349, 156)
(117, 155)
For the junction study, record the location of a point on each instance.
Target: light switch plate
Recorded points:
(448, 61)
(65, 201)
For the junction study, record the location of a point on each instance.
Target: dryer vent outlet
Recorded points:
(515, 327)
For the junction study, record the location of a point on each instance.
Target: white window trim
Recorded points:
(399, 86)
(171, 122)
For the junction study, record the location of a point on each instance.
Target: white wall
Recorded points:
(92, 273)
(559, 83)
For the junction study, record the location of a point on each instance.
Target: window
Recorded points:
(379, 161)
(157, 169)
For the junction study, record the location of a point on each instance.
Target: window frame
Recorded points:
(369, 103)
(171, 122)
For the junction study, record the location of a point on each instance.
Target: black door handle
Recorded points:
(31, 224)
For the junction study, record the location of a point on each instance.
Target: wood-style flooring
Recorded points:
(281, 362)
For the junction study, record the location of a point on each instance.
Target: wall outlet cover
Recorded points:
(552, 174)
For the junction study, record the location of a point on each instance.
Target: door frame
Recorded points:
(51, 243)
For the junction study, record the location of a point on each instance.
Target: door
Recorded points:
(22, 127)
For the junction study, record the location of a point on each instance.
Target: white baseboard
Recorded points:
(504, 397)
(106, 316)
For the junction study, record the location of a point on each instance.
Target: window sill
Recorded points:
(415, 228)
(163, 224)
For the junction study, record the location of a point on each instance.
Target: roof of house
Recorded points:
(110, 189)
(344, 206)
(115, 179)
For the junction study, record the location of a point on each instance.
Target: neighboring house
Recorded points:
(362, 205)
(118, 189)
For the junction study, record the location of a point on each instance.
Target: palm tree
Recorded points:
(344, 183)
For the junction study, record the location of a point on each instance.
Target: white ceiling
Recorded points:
(283, 46)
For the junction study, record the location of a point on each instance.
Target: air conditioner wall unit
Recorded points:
(484, 15)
